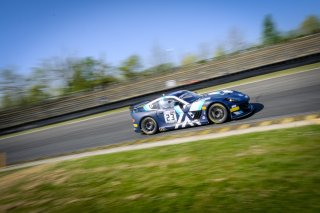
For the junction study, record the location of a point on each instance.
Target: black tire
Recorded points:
(217, 113)
(149, 126)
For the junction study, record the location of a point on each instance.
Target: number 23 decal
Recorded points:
(170, 116)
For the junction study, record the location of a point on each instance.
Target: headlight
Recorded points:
(232, 99)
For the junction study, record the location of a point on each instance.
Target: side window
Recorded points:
(155, 105)
(168, 103)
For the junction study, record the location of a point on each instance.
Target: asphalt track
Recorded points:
(282, 96)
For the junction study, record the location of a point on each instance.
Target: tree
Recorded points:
(88, 73)
(236, 40)
(270, 35)
(311, 24)
(53, 77)
(204, 51)
(40, 76)
(161, 68)
(13, 87)
(36, 94)
(78, 81)
(159, 55)
(41, 79)
(188, 59)
(55, 73)
(219, 52)
(130, 66)
(6, 101)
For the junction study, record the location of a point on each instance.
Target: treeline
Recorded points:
(59, 77)
(271, 35)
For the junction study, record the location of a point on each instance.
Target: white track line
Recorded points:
(163, 143)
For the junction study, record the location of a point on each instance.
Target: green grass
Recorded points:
(276, 171)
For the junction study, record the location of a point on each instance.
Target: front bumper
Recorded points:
(245, 109)
(136, 129)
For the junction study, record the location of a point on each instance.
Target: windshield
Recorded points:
(189, 97)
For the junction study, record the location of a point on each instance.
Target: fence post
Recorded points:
(2, 160)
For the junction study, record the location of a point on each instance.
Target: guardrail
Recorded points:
(245, 64)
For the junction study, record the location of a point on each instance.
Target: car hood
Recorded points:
(226, 94)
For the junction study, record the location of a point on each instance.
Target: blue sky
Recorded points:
(33, 30)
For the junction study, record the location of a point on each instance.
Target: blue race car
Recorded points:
(183, 108)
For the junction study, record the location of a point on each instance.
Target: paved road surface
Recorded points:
(293, 94)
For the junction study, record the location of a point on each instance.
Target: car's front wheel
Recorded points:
(149, 126)
(217, 113)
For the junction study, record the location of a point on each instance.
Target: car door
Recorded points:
(167, 115)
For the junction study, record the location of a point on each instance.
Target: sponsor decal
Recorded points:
(185, 118)
(215, 93)
(227, 91)
(234, 108)
(135, 125)
(221, 92)
(196, 106)
(178, 110)
(170, 116)
(238, 112)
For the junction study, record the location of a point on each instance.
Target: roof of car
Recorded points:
(177, 93)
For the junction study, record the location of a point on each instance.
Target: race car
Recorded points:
(184, 108)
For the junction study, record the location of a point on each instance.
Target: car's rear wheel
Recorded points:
(217, 113)
(149, 126)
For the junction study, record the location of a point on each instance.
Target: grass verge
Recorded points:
(275, 171)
